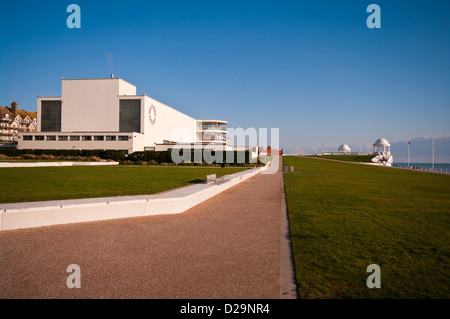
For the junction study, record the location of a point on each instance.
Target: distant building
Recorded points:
(382, 146)
(344, 148)
(107, 114)
(382, 152)
(14, 121)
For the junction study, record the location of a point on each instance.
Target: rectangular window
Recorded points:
(50, 116)
(123, 138)
(28, 137)
(74, 137)
(110, 137)
(130, 116)
(99, 138)
(86, 138)
(63, 138)
(51, 137)
(39, 138)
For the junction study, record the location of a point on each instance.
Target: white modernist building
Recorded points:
(106, 114)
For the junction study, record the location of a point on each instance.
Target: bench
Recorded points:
(211, 178)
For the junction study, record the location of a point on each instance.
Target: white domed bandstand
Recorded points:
(382, 143)
(344, 148)
(382, 152)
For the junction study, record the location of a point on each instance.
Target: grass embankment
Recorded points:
(347, 158)
(51, 183)
(345, 217)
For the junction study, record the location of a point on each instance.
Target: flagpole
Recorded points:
(409, 145)
(432, 157)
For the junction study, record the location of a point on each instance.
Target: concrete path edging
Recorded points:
(54, 164)
(38, 214)
(288, 280)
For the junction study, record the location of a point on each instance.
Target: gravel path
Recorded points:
(226, 247)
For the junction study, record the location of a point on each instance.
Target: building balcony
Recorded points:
(214, 140)
(211, 125)
(209, 130)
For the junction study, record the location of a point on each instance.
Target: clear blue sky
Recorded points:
(311, 68)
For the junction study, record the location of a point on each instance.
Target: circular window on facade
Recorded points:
(152, 114)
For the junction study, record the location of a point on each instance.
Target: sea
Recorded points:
(438, 167)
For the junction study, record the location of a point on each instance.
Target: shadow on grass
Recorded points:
(196, 181)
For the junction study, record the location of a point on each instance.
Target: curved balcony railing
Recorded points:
(213, 140)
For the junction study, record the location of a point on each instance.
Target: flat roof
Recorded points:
(48, 97)
(64, 79)
(213, 121)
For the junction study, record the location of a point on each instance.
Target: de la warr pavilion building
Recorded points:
(106, 114)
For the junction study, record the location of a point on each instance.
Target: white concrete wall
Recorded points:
(168, 122)
(126, 88)
(92, 104)
(138, 143)
(71, 213)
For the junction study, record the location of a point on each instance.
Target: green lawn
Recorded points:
(50, 183)
(344, 217)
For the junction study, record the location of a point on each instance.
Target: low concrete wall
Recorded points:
(50, 164)
(27, 217)
(38, 214)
